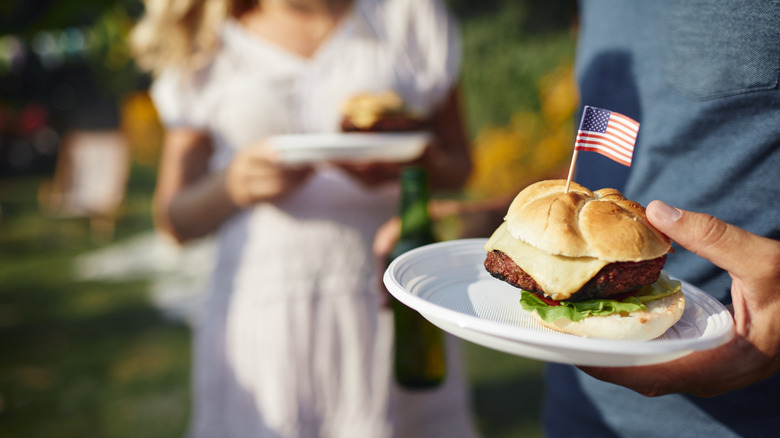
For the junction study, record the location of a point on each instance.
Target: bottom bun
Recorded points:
(638, 326)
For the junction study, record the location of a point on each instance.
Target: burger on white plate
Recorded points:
(588, 262)
(383, 111)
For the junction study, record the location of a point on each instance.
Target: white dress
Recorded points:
(293, 341)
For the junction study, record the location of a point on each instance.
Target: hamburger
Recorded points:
(379, 112)
(587, 263)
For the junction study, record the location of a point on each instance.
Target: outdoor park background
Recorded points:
(96, 312)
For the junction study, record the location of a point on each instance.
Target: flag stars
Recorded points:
(596, 119)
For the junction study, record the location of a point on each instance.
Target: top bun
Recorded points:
(601, 224)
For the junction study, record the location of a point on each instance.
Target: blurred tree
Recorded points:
(532, 145)
(508, 45)
(69, 40)
(69, 58)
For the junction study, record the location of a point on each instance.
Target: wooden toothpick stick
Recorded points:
(571, 170)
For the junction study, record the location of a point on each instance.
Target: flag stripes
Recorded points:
(608, 133)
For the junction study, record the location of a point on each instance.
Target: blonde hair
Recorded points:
(181, 33)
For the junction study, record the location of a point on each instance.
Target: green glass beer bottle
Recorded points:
(419, 345)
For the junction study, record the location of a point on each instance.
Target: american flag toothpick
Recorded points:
(609, 133)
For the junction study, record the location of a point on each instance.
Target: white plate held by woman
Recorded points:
(358, 146)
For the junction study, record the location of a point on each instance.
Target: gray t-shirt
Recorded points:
(702, 79)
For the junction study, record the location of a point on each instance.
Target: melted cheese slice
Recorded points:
(559, 276)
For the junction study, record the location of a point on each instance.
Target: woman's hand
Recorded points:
(191, 201)
(754, 354)
(256, 175)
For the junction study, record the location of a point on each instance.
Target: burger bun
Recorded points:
(661, 314)
(600, 224)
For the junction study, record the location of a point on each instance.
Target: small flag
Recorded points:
(609, 133)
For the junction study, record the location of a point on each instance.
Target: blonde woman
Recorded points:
(294, 341)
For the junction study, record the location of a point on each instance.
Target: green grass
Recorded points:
(97, 359)
(506, 392)
(82, 358)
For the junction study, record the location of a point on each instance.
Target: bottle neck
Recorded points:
(415, 221)
(415, 218)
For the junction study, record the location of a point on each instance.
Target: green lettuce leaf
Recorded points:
(577, 311)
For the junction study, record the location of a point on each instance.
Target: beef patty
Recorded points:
(613, 279)
(386, 123)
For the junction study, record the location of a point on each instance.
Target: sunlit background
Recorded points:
(96, 310)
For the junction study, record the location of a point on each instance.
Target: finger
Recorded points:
(727, 246)
(386, 237)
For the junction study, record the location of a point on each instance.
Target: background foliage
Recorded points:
(97, 358)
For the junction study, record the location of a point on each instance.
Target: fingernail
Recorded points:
(667, 213)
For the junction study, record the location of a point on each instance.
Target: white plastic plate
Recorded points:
(388, 147)
(448, 284)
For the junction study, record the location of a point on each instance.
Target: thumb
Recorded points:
(725, 245)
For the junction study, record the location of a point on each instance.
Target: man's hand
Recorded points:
(754, 354)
